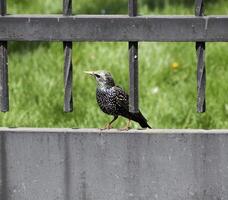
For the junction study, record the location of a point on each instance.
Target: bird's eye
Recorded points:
(97, 76)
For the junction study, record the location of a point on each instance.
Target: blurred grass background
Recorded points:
(167, 73)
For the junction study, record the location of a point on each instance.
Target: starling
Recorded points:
(113, 100)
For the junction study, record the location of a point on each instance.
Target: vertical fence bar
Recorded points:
(4, 92)
(133, 63)
(68, 68)
(201, 69)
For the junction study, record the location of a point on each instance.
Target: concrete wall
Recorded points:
(67, 164)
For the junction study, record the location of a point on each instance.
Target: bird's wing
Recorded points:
(122, 98)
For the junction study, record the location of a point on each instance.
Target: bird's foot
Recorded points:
(107, 126)
(125, 128)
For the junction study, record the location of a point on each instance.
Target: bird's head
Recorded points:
(103, 78)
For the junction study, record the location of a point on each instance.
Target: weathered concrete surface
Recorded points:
(76, 164)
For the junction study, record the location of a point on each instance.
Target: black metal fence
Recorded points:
(129, 28)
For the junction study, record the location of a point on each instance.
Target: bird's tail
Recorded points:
(138, 117)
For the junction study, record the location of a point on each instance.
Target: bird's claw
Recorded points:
(125, 128)
(108, 126)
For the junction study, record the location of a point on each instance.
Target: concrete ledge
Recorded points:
(89, 164)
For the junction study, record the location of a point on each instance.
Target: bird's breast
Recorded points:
(106, 100)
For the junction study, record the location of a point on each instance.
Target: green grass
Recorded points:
(167, 95)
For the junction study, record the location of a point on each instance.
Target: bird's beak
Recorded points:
(91, 73)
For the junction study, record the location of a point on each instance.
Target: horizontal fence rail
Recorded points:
(113, 28)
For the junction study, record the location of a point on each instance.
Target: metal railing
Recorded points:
(129, 28)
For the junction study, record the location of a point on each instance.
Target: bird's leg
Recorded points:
(126, 128)
(109, 125)
(129, 124)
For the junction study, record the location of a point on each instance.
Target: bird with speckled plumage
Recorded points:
(113, 100)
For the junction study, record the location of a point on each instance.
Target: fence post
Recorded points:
(133, 64)
(201, 69)
(4, 93)
(68, 68)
